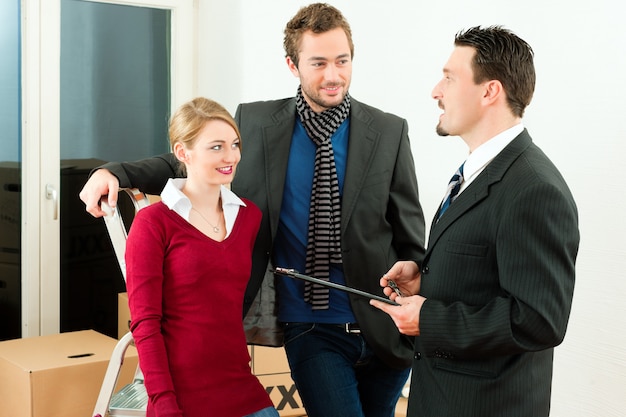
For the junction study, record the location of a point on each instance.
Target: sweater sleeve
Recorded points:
(148, 175)
(145, 251)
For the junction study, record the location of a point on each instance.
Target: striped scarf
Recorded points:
(324, 235)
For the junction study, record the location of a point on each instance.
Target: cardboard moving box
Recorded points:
(270, 365)
(123, 315)
(57, 375)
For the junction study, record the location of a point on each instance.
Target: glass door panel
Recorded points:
(115, 103)
(98, 78)
(10, 171)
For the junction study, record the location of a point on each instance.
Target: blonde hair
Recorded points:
(190, 118)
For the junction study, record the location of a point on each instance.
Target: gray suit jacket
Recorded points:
(382, 220)
(498, 276)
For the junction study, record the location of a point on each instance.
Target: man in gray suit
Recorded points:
(335, 179)
(492, 297)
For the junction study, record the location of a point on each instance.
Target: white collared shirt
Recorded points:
(480, 158)
(176, 200)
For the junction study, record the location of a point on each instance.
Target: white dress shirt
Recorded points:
(480, 158)
(176, 200)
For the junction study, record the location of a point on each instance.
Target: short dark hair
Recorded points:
(318, 18)
(501, 55)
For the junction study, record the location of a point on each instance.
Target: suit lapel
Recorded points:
(277, 136)
(362, 144)
(478, 190)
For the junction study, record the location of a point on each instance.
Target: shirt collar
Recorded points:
(176, 200)
(482, 155)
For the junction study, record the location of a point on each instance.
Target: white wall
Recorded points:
(577, 117)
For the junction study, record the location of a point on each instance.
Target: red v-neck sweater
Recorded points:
(185, 294)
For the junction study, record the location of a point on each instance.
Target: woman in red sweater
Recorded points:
(188, 260)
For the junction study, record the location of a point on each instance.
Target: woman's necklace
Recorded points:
(216, 229)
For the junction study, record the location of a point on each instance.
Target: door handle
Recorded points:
(51, 194)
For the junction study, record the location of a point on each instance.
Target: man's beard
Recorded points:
(321, 102)
(441, 131)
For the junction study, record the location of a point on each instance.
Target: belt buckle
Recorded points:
(347, 327)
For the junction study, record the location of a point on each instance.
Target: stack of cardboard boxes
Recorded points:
(270, 365)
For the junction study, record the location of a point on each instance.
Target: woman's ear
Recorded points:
(180, 152)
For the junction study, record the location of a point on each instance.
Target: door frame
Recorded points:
(41, 51)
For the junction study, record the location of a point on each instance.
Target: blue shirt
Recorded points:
(291, 238)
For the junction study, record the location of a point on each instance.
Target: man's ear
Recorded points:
(293, 67)
(493, 91)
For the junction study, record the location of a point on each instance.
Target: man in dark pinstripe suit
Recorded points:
(492, 297)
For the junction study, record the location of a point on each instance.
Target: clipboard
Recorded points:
(292, 273)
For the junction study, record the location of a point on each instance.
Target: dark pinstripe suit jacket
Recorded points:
(498, 276)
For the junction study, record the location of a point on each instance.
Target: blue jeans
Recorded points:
(266, 412)
(337, 374)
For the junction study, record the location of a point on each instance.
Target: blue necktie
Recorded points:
(453, 190)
